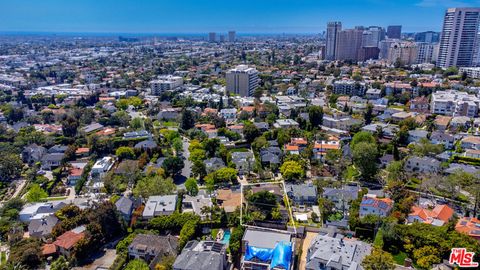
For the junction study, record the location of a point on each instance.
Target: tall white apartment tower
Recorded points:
(242, 80)
(333, 28)
(231, 36)
(459, 37)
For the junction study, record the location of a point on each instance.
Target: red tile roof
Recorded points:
(469, 226)
(68, 239)
(49, 249)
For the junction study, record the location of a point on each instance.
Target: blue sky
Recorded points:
(201, 16)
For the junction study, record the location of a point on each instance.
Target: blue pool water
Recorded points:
(226, 237)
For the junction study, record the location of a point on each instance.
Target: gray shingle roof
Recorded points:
(201, 256)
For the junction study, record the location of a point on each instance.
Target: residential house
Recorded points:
(441, 122)
(243, 161)
(400, 116)
(336, 252)
(203, 255)
(438, 216)
(160, 206)
(229, 199)
(102, 166)
(42, 228)
(82, 152)
(419, 104)
(445, 139)
(455, 167)
(373, 93)
(74, 174)
(66, 242)
(249, 110)
(136, 135)
(94, 127)
(460, 123)
(146, 145)
(417, 164)
(397, 87)
(340, 122)
(285, 123)
(469, 226)
(213, 164)
(266, 249)
(388, 130)
(125, 207)
(52, 160)
(197, 203)
(271, 155)
(262, 126)
(471, 142)
(371, 205)
(152, 248)
(341, 197)
(296, 146)
(472, 153)
(58, 149)
(416, 135)
(169, 114)
(229, 115)
(302, 194)
(33, 153)
(321, 148)
(39, 210)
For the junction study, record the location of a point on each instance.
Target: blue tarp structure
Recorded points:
(263, 254)
(281, 255)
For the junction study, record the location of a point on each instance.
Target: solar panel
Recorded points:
(368, 201)
(217, 247)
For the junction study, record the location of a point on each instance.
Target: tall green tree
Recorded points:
(173, 165)
(36, 194)
(378, 260)
(137, 264)
(250, 132)
(60, 264)
(315, 115)
(10, 166)
(368, 115)
(191, 186)
(187, 121)
(292, 170)
(154, 185)
(364, 158)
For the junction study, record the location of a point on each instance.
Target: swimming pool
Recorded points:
(226, 237)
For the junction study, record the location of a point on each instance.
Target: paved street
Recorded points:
(187, 169)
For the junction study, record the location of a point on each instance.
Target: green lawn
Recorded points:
(351, 173)
(400, 257)
(57, 198)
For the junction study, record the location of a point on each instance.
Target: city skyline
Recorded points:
(195, 17)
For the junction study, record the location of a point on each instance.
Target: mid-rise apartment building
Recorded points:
(242, 80)
(165, 83)
(454, 103)
(349, 88)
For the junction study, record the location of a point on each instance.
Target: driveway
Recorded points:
(105, 260)
(187, 168)
(305, 245)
